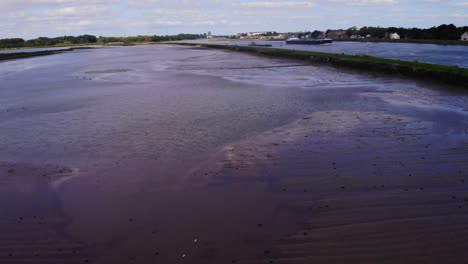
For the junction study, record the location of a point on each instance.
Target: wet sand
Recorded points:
(280, 164)
(372, 188)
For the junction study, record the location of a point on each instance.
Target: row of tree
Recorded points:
(442, 32)
(43, 41)
(89, 39)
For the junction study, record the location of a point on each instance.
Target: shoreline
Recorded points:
(23, 55)
(413, 41)
(90, 45)
(440, 73)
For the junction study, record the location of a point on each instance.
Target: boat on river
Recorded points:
(253, 44)
(308, 41)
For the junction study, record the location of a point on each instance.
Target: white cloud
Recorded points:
(366, 2)
(461, 4)
(276, 4)
(33, 18)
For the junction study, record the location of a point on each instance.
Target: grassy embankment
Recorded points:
(59, 45)
(441, 73)
(78, 45)
(21, 55)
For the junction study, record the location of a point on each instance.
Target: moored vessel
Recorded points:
(253, 44)
(308, 41)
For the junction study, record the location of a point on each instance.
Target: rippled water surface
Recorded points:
(138, 102)
(155, 101)
(438, 54)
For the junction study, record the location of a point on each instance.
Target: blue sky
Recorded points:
(34, 18)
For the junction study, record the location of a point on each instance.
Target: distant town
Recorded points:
(443, 33)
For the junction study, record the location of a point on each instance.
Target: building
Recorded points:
(356, 37)
(261, 34)
(394, 36)
(281, 36)
(336, 34)
(209, 36)
(464, 37)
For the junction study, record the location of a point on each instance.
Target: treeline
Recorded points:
(442, 32)
(43, 41)
(90, 39)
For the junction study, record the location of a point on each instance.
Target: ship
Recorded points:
(308, 41)
(253, 44)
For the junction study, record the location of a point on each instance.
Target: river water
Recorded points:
(135, 122)
(106, 102)
(452, 55)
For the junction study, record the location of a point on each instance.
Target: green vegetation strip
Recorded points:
(21, 55)
(445, 74)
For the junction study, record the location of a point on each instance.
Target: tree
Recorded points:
(351, 31)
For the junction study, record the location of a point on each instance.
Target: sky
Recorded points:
(51, 18)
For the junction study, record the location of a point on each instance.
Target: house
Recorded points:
(394, 36)
(336, 34)
(464, 37)
(356, 37)
(261, 34)
(281, 36)
(254, 34)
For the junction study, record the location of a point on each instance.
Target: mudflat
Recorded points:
(168, 154)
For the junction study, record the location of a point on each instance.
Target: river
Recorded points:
(452, 55)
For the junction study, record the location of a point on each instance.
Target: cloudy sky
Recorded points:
(34, 18)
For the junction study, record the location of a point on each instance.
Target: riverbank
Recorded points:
(414, 41)
(60, 45)
(440, 73)
(22, 55)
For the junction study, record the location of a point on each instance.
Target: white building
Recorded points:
(259, 34)
(464, 37)
(255, 34)
(394, 36)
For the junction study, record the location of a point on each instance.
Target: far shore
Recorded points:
(413, 41)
